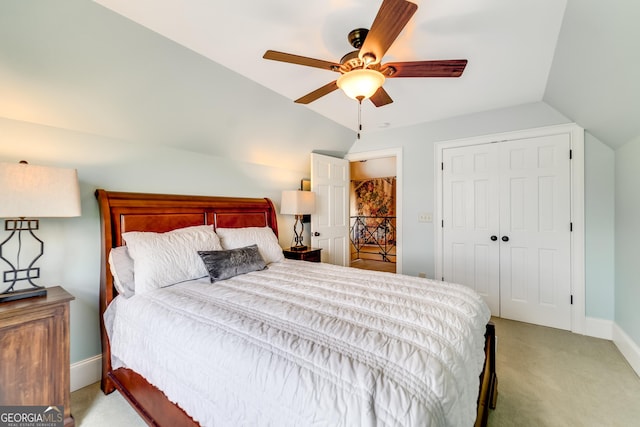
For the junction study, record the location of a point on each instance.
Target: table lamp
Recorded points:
(28, 192)
(298, 203)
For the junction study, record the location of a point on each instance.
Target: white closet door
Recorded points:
(535, 262)
(470, 212)
(506, 230)
(330, 221)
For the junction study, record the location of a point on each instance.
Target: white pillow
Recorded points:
(264, 237)
(163, 259)
(121, 266)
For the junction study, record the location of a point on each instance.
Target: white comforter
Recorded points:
(305, 344)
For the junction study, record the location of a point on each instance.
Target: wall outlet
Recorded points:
(423, 275)
(425, 217)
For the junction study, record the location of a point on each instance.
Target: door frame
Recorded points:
(378, 154)
(576, 135)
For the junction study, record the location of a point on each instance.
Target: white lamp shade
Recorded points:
(360, 83)
(298, 202)
(31, 191)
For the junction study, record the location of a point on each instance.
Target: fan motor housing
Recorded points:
(356, 37)
(351, 61)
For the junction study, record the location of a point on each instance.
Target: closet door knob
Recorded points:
(494, 238)
(316, 234)
(505, 238)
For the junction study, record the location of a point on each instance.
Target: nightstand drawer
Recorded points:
(311, 255)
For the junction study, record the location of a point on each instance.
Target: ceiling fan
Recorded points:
(362, 73)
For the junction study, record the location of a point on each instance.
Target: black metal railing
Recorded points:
(374, 235)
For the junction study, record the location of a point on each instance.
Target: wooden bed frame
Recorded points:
(122, 212)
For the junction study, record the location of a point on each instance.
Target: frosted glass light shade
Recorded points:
(31, 191)
(298, 202)
(360, 84)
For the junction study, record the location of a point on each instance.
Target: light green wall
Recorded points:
(627, 196)
(72, 252)
(599, 228)
(72, 245)
(174, 122)
(418, 142)
(141, 114)
(77, 65)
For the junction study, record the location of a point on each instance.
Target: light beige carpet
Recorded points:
(547, 377)
(550, 377)
(91, 408)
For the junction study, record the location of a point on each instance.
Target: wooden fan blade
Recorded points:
(443, 68)
(389, 22)
(381, 97)
(301, 60)
(318, 93)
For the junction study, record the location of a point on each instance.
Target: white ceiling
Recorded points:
(509, 44)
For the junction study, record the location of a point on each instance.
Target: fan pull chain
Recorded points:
(359, 116)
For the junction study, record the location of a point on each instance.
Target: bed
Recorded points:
(302, 343)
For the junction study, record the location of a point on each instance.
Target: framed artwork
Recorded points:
(305, 185)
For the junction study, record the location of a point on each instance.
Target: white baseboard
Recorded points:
(627, 347)
(598, 328)
(609, 330)
(86, 372)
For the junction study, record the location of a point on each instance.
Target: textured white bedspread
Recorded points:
(307, 344)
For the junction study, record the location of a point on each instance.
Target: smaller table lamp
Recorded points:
(298, 203)
(28, 191)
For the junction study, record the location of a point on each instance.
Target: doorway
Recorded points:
(330, 223)
(393, 157)
(372, 214)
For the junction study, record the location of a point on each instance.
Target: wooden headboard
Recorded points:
(122, 212)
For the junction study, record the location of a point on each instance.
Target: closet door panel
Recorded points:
(535, 217)
(470, 209)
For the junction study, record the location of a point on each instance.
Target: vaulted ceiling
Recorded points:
(594, 78)
(509, 46)
(580, 56)
(178, 71)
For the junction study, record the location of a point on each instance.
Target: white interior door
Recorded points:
(535, 217)
(506, 226)
(330, 222)
(470, 212)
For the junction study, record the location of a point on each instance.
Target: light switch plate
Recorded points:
(425, 217)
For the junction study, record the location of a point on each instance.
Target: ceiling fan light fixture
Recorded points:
(360, 84)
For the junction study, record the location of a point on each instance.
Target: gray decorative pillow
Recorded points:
(233, 262)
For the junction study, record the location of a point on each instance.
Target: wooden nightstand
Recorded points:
(311, 254)
(34, 352)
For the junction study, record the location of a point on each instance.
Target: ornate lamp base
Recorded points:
(298, 235)
(17, 274)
